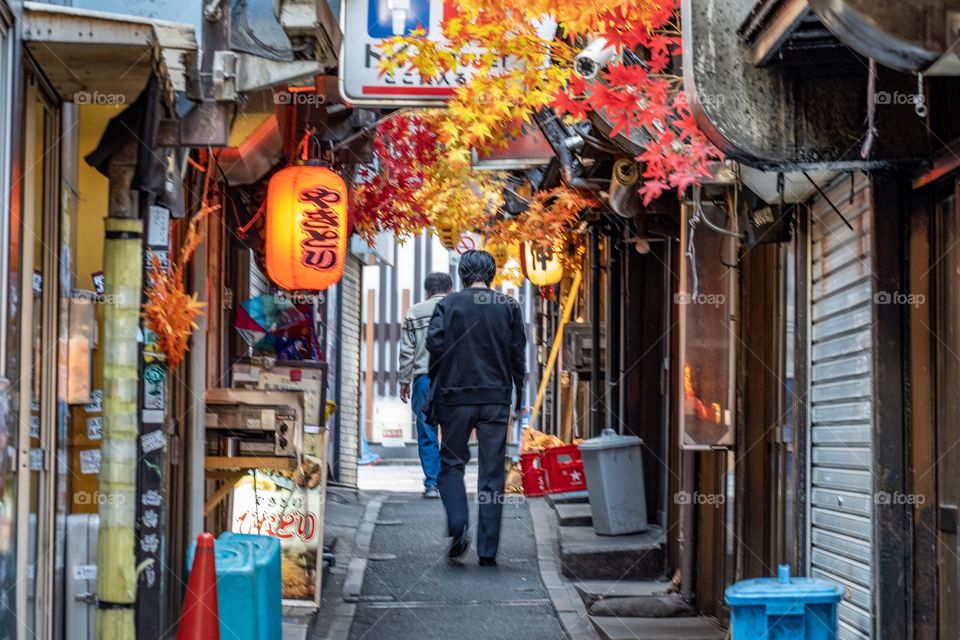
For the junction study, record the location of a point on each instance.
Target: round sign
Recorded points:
(465, 244)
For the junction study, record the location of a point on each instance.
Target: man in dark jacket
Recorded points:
(477, 345)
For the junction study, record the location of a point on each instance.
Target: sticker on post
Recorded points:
(95, 428)
(96, 402)
(158, 227)
(152, 441)
(90, 461)
(154, 386)
(84, 572)
(152, 416)
(99, 282)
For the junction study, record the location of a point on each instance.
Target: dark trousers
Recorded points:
(490, 421)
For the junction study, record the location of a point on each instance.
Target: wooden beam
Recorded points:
(222, 492)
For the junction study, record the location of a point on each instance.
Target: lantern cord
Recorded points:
(243, 230)
(303, 149)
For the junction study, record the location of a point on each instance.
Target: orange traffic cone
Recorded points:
(200, 619)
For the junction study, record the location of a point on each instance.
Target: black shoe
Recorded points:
(488, 562)
(459, 546)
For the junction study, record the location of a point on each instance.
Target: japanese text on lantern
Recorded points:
(321, 228)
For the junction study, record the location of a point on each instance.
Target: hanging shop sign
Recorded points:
(542, 268)
(306, 228)
(365, 23)
(527, 151)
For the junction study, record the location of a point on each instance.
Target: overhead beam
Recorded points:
(769, 27)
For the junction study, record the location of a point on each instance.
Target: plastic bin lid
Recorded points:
(609, 439)
(784, 587)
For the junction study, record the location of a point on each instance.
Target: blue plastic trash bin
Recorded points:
(248, 586)
(784, 608)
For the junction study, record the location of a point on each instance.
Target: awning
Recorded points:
(92, 57)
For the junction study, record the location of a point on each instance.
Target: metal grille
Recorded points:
(259, 285)
(840, 400)
(349, 362)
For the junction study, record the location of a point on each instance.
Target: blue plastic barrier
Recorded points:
(783, 608)
(248, 586)
(266, 557)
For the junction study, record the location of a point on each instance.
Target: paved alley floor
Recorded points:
(405, 476)
(411, 591)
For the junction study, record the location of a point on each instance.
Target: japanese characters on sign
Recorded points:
(269, 504)
(364, 24)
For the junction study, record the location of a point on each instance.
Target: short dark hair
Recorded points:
(477, 266)
(437, 282)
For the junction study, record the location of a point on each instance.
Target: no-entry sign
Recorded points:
(364, 24)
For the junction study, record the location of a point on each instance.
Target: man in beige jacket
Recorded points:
(414, 382)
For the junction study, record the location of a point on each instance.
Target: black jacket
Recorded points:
(477, 343)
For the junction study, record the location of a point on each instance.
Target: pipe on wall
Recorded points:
(597, 410)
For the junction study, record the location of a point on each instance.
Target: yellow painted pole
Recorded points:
(116, 555)
(555, 349)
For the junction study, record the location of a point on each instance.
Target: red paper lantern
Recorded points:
(306, 228)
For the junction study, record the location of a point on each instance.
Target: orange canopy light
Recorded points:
(542, 268)
(306, 228)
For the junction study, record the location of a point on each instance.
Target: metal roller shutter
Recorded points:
(840, 399)
(349, 373)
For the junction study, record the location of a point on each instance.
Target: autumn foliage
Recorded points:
(417, 185)
(171, 312)
(549, 216)
(518, 58)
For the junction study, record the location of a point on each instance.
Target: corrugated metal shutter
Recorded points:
(840, 400)
(259, 285)
(349, 362)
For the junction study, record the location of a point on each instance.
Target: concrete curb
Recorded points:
(566, 600)
(342, 614)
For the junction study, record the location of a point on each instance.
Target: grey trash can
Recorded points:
(613, 465)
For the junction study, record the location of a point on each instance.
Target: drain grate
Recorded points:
(367, 598)
(440, 604)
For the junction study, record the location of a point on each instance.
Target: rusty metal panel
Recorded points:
(804, 115)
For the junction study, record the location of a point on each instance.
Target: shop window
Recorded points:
(706, 315)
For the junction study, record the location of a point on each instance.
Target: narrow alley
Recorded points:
(479, 320)
(411, 589)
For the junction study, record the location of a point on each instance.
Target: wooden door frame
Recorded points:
(37, 92)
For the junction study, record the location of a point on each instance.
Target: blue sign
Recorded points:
(386, 18)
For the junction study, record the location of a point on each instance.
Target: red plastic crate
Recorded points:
(564, 469)
(531, 473)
